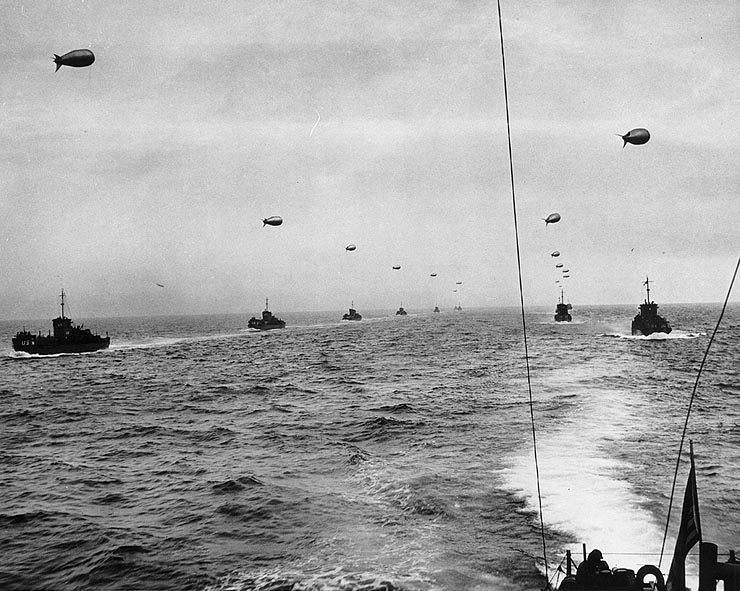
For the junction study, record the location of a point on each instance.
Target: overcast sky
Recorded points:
(157, 163)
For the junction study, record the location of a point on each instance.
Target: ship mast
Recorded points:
(62, 302)
(647, 286)
(266, 306)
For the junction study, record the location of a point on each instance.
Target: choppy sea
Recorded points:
(395, 451)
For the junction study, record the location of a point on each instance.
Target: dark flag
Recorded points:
(688, 534)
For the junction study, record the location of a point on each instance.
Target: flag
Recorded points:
(689, 533)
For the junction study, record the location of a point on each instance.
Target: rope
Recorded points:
(691, 403)
(521, 289)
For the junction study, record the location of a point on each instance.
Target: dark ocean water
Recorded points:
(195, 454)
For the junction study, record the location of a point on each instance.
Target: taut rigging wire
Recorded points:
(521, 289)
(691, 404)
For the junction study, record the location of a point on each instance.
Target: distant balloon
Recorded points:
(275, 220)
(396, 267)
(350, 247)
(555, 253)
(553, 218)
(635, 136)
(559, 265)
(79, 58)
(432, 274)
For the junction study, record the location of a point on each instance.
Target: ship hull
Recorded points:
(562, 314)
(642, 328)
(57, 348)
(266, 326)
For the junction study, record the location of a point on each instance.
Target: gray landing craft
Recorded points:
(562, 313)
(67, 338)
(648, 320)
(352, 314)
(267, 322)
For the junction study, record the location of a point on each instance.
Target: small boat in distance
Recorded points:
(352, 314)
(648, 320)
(436, 309)
(561, 310)
(401, 312)
(458, 308)
(267, 322)
(67, 338)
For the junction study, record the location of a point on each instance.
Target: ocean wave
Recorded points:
(277, 580)
(237, 484)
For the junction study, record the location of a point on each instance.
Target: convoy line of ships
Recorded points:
(70, 338)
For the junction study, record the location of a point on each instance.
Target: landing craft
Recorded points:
(566, 270)
(558, 265)
(458, 283)
(350, 247)
(635, 136)
(275, 220)
(396, 267)
(432, 274)
(555, 253)
(79, 58)
(553, 218)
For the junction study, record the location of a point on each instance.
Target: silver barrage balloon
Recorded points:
(637, 136)
(79, 58)
(553, 218)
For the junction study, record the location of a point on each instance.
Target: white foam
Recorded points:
(583, 490)
(661, 336)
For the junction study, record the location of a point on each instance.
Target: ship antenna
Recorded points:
(521, 289)
(691, 403)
